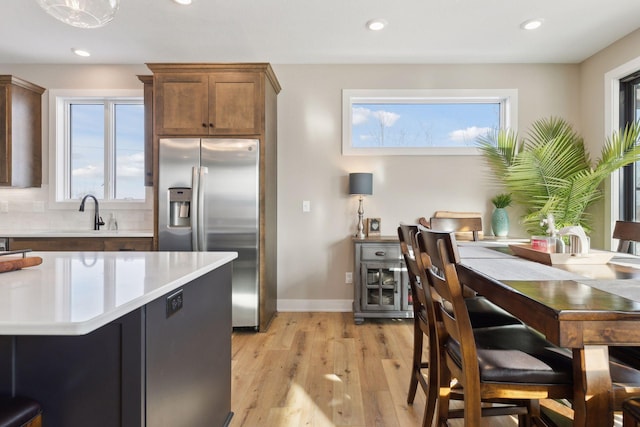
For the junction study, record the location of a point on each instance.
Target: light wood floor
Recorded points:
(320, 369)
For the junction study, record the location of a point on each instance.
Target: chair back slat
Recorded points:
(406, 235)
(471, 225)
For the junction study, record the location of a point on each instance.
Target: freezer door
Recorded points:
(231, 216)
(178, 158)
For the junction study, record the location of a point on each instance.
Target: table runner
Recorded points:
(481, 252)
(625, 288)
(626, 260)
(514, 268)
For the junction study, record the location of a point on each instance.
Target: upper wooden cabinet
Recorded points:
(20, 133)
(210, 99)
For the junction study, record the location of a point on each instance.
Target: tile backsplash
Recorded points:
(28, 210)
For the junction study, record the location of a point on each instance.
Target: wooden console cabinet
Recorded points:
(381, 285)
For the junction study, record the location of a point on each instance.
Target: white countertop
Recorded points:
(74, 293)
(75, 233)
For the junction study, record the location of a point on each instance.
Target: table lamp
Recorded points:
(360, 184)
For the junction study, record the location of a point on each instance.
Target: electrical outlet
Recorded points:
(348, 277)
(174, 303)
(4, 206)
(306, 206)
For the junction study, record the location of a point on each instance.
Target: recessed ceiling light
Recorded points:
(183, 2)
(80, 52)
(376, 24)
(531, 24)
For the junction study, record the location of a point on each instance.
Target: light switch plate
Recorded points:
(306, 206)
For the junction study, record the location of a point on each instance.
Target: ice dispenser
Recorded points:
(180, 207)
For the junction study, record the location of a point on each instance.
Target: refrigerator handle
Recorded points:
(194, 208)
(201, 192)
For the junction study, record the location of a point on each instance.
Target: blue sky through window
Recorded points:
(87, 148)
(129, 151)
(422, 124)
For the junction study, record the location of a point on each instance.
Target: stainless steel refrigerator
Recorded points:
(208, 200)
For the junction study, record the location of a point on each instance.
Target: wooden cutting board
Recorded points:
(18, 263)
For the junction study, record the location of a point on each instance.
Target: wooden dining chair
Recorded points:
(423, 326)
(482, 312)
(631, 412)
(626, 232)
(19, 412)
(510, 364)
(470, 225)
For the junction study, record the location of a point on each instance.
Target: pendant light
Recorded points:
(81, 13)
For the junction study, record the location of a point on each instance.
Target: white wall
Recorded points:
(315, 248)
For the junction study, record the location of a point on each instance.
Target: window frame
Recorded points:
(507, 98)
(628, 114)
(59, 150)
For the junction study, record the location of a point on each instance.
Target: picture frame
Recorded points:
(373, 227)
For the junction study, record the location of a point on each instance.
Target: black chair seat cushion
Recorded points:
(632, 407)
(16, 411)
(627, 355)
(517, 354)
(483, 313)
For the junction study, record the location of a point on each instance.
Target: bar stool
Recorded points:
(19, 412)
(631, 412)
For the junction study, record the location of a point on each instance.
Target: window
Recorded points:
(99, 146)
(630, 175)
(445, 122)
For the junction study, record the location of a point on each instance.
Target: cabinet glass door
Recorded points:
(382, 286)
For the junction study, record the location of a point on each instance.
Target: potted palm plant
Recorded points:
(550, 172)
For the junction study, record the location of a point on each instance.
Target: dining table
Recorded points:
(583, 306)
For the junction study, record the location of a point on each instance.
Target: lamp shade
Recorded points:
(361, 183)
(81, 13)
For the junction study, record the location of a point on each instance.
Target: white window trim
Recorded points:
(57, 155)
(612, 124)
(507, 97)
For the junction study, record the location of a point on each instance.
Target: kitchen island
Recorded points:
(120, 338)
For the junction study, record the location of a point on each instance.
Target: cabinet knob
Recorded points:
(380, 253)
(210, 125)
(204, 125)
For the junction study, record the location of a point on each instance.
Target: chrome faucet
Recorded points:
(97, 219)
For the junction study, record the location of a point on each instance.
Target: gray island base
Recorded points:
(164, 363)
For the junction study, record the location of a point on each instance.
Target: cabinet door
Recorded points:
(381, 286)
(181, 104)
(20, 133)
(56, 244)
(128, 244)
(234, 104)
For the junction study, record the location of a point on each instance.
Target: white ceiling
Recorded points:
(322, 32)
